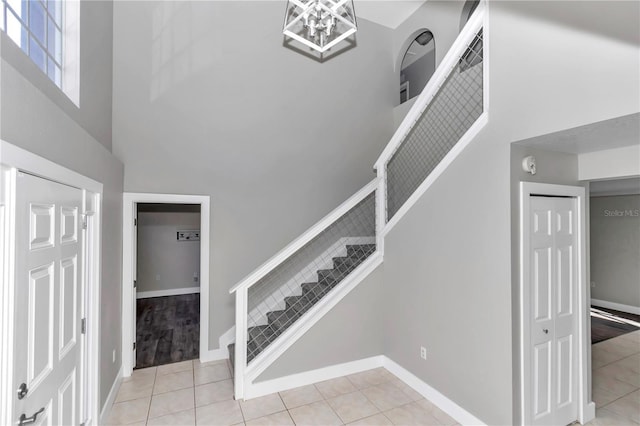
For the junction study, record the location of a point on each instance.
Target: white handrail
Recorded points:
(438, 78)
(309, 235)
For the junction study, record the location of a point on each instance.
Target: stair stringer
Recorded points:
(293, 287)
(272, 352)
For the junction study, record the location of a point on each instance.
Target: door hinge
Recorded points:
(84, 222)
(83, 326)
(135, 222)
(134, 346)
(135, 284)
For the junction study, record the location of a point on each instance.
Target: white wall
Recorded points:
(615, 249)
(208, 101)
(164, 263)
(35, 115)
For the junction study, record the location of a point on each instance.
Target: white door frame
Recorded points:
(129, 204)
(13, 160)
(586, 407)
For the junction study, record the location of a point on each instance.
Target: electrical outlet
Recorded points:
(423, 352)
(593, 284)
(113, 356)
(195, 277)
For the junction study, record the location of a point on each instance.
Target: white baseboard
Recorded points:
(106, 408)
(169, 292)
(222, 352)
(445, 404)
(280, 384)
(589, 413)
(616, 306)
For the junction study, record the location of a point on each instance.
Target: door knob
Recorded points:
(24, 420)
(545, 330)
(22, 391)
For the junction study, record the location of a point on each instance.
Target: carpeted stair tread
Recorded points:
(315, 290)
(360, 250)
(331, 277)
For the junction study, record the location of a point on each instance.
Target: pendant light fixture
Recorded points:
(319, 24)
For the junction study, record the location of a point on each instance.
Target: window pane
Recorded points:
(55, 9)
(17, 32)
(54, 72)
(54, 39)
(37, 54)
(20, 8)
(37, 22)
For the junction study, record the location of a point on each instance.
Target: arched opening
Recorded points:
(418, 65)
(467, 10)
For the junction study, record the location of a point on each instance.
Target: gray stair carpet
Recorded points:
(261, 336)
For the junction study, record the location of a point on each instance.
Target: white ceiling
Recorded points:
(608, 134)
(389, 13)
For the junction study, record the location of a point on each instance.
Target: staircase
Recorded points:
(261, 336)
(283, 298)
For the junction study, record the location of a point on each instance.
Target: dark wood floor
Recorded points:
(607, 323)
(168, 329)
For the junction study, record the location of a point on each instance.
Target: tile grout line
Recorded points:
(193, 371)
(617, 399)
(613, 362)
(155, 376)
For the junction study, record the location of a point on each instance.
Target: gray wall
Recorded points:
(164, 263)
(94, 113)
(208, 101)
(615, 249)
(448, 262)
(352, 330)
(32, 118)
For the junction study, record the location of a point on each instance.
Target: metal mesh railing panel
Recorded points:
(456, 106)
(287, 292)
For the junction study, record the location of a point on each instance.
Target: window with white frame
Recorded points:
(47, 31)
(36, 26)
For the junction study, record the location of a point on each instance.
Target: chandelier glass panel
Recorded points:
(319, 24)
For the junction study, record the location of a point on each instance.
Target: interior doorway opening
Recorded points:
(167, 283)
(166, 271)
(418, 64)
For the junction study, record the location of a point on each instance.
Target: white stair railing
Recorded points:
(450, 104)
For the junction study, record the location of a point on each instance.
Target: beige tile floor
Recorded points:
(616, 380)
(191, 393)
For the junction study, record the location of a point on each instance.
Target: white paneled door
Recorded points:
(48, 337)
(554, 312)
